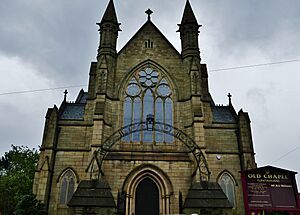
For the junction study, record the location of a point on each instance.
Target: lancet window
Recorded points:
(67, 187)
(228, 186)
(148, 93)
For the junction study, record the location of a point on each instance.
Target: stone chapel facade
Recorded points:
(147, 137)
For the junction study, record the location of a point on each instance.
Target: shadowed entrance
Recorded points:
(147, 198)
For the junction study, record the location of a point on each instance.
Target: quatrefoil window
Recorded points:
(148, 77)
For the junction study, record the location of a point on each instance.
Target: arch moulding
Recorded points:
(158, 176)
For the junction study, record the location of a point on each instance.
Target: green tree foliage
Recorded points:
(29, 205)
(17, 168)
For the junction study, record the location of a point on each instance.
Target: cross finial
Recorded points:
(149, 12)
(229, 98)
(65, 94)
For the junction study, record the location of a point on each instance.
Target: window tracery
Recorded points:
(148, 92)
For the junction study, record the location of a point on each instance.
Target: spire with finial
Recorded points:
(109, 28)
(189, 31)
(149, 12)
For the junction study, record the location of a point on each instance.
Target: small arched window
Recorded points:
(67, 187)
(227, 184)
(148, 92)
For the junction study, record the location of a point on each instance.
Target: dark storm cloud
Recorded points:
(53, 35)
(56, 35)
(238, 25)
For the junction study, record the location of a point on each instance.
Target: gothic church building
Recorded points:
(147, 137)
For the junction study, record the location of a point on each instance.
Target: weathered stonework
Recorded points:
(74, 133)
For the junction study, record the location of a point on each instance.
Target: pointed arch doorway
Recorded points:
(147, 198)
(147, 190)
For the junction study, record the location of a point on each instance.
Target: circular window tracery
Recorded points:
(133, 89)
(163, 90)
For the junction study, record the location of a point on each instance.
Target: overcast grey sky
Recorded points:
(50, 43)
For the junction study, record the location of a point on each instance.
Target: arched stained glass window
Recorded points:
(148, 92)
(227, 184)
(67, 187)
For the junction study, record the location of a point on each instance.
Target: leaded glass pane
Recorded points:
(230, 192)
(169, 111)
(127, 115)
(148, 71)
(163, 81)
(70, 189)
(148, 104)
(137, 109)
(159, 118)
(169, 118)
(143, 79)
(163, 90)
(148, 78)
(227, 186)
(148, 109)
(142, 74)
(148, 83)
(155, 74)
(63, 191)
(133, 89)
(67, 187)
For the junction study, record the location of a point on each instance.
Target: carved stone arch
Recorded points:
(64, 172)
(158, 176)
(154, 64)
(201, 168)
(148, 167)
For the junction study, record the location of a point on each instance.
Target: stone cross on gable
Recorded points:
(65, 95)
(149, 12)
(229, 98)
